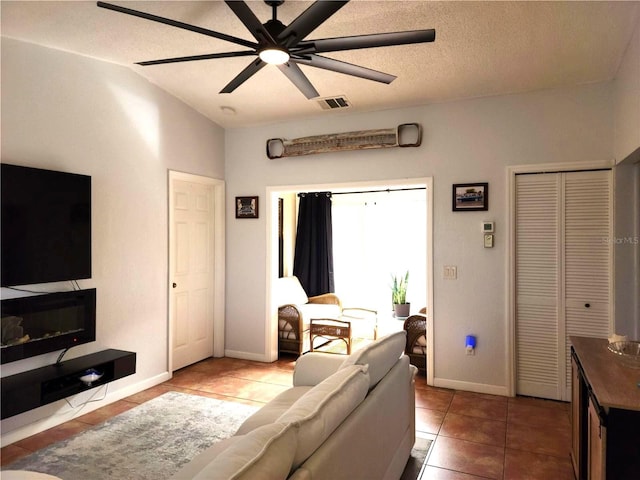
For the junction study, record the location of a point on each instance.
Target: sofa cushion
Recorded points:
(289, 291)
(265, 453)
(318, 310)
(314, 367)
(380, 355)
(319, 411)
(272, 410)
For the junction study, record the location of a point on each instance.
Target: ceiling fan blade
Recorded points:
(344, 67)
(309, 20)
(299, 79)
(249, 19)
(191, 58)
(366, 41)
(177, 24)
(244, 75)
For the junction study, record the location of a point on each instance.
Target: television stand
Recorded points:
(34, 388)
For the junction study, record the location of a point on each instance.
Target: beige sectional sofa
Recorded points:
(344, 418)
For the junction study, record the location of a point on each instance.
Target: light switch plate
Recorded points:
(450, 272)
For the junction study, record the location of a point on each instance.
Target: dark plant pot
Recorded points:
(402, 309)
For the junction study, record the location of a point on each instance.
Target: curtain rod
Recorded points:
(387, 190)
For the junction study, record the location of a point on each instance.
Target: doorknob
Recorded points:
(175, 285)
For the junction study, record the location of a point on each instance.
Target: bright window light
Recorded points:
(375, 236)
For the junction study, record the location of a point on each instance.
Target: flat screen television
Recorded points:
(38, 324)
(46, 226)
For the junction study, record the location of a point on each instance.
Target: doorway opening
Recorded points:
(390, 231)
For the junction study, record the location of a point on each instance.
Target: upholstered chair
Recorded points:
(295, 311)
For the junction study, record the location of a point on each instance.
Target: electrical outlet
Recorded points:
(450, 272)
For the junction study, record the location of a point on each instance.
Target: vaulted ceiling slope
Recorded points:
(481, 49)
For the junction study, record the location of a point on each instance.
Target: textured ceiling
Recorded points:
(481, 49)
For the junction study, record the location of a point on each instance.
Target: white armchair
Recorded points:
(295, 311)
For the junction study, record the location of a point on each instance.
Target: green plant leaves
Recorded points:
(399, 288)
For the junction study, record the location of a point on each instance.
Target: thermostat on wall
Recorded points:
(487, 227)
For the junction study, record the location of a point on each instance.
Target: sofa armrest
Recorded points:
(326, 298)
(314, 367)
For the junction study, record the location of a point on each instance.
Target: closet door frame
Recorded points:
(512, 171)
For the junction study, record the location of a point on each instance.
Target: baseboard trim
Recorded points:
(471, 387)
(256, 357)
(59, 412)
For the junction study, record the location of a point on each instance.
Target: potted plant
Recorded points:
(399, 295)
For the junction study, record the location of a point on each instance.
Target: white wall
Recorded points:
(466, 141)
(65, 112)
(627, 101)
(627, 198)
(626, 244)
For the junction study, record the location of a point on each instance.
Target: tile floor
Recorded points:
(476, 436)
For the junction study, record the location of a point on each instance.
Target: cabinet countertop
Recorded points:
(614, 384)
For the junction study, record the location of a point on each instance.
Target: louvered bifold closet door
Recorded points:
(563, 274)
(538, 256)
(588, 258)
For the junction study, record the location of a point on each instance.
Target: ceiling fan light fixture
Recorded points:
(274, 56)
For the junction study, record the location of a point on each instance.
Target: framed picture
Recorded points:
(246, 207)
(470, 196)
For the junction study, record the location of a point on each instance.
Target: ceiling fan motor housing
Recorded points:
(274, 27)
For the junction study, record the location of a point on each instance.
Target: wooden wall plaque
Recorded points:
(405, 135)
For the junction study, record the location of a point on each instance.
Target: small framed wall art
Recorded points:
(246, 207)
(470, 196)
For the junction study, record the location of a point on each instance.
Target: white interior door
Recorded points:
(563, 274)
(191, 271)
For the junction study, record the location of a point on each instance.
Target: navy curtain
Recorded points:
(313, 260)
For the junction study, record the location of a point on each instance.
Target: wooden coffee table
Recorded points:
(331, 329)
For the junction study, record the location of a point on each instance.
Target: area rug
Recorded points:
(149, 442)
(419, 455)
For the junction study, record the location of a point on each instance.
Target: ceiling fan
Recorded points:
(285, 45)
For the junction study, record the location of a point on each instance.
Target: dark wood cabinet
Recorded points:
(579, 404)
(596, 443)
(605, 413)
(41, 386)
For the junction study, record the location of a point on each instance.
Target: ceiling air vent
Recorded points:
(332, 103)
